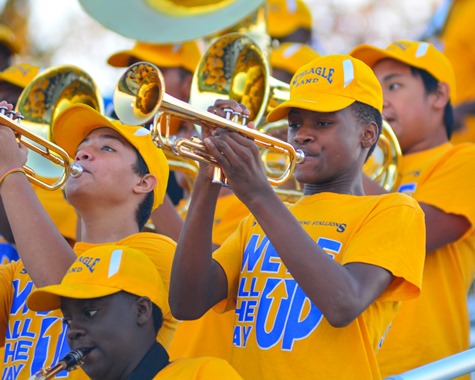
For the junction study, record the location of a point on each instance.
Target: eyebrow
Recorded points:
(391, 76)
(104, 137)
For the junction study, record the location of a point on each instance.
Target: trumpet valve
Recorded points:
(235, 116)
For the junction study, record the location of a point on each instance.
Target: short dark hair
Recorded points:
(366, 114)
(145, 207)
(430, 86)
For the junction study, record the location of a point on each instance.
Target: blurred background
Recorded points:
(54, 32)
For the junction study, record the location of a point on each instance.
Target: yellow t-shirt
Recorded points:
(459, 46)
(35, 340)
(211, 335)
(278, 332)
(436, 324)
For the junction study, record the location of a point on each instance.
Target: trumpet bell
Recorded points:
(168, 21)
(138, 94)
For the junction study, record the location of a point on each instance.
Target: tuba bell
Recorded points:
(168, 21)
(50, 92)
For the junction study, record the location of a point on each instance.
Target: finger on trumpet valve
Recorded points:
(227, 113)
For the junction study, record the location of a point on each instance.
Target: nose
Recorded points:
(83, 154)
(301, 135)
(75, 331)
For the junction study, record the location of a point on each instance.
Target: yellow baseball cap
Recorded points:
(102, 271)
(330, 83)
(289, 56)
(420, 54)
(185, 55)
(286, 16)
(8, 38)
(73, 124)
(20, 75)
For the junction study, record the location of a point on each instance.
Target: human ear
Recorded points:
(441, 95)
(144, 310)
(370, 135)
(146, 184)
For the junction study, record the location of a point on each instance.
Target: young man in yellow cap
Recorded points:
(177, 62)
(124, 178)
(13, 81)
(418, 86)
(110, 281)
(315, 284)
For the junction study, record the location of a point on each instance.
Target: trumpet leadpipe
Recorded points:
(41, 146)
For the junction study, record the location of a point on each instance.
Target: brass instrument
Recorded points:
(69, 362)
(50, 92)
(235, 67)
(382, 165)
(140, 95)
(43, 147)
(168, 21)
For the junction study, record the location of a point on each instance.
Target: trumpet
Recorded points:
(69, 362)
(44, 147)
(50, 92)
(140, 96)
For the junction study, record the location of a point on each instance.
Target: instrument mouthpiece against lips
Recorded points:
(300, 156)
(76, 170)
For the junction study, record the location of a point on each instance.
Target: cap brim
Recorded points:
(68, 133)
(138, 21)
(371, 55)
(319, 103)
(49, 297)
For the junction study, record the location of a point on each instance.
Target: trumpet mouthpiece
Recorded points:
(76, 170)
(300, 156)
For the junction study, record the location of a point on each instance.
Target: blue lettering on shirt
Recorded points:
(275, 319)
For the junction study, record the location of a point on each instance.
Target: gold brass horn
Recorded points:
(382, 166)
(168, 21)
(43, 147)
(68, 363)
(140, 95)
(234, 67)
(50, 92)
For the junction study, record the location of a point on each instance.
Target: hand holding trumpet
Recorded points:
(12, 154)
(237, 156)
